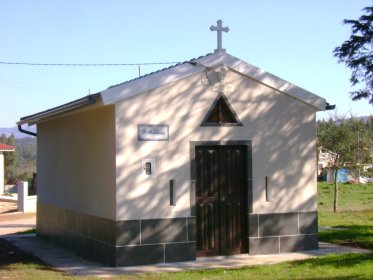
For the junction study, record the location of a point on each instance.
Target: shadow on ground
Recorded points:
(338, 261)
(355, 236)
(10, 255)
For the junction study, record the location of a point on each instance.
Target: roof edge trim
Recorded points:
(82, 102)
(188, 68)
(266, 78)
(149, 82)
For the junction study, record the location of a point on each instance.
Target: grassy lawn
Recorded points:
(356, 215)
(331, 267)
(351, 197)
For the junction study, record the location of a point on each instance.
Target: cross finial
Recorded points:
(219, 29)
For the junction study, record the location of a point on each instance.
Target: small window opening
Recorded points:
(172, 192)
(148, 168)
(268, 199)
(221, 113)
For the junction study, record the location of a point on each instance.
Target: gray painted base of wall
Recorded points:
(282, 232)
(118, 243)
(141, 242)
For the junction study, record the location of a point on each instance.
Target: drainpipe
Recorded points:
(26, 131)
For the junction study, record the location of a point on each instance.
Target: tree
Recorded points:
(369, 135)
(10, 159)
(3, 138)
(340, 137)
(357, 54)
(26, 157)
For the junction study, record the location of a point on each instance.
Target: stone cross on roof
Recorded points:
(219, 29)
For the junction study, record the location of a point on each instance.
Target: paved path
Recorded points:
(66, 261)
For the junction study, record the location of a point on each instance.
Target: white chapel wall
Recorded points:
(282, 130)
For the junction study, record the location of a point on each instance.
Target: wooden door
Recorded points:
(220, 200)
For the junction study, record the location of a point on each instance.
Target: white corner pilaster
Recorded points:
(22, 190)
(2, 188)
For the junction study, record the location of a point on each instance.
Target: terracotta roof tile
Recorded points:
(6, 148)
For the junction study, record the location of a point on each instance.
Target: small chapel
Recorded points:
(208, 157)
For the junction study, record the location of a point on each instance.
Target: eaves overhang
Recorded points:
(70, 106)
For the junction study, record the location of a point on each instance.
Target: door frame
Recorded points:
(248, 174)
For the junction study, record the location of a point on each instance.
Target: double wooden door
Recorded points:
(220, 200)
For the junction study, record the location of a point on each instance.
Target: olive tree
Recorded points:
(340, 137)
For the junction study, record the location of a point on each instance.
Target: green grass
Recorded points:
(356, 236)
(29, 231)
(351, 197)
(358, 228)
(355, 215)
(26, 271)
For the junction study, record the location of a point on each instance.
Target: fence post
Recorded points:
(22, 190)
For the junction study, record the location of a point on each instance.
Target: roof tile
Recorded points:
(6, 148)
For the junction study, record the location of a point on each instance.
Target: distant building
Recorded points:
(325, 160)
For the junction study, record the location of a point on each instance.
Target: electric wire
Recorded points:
(13, 83)
(84, 64)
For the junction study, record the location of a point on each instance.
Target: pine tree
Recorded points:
(3, 138)
(357, 54)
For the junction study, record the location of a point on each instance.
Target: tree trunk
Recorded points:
(335, 205)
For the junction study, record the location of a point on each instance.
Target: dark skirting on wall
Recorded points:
(118, 243)
(150, 241)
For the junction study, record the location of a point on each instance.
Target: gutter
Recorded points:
(76, 104)
(329, 107)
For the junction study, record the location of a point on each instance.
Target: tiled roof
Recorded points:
(6, 148)
(160, 70)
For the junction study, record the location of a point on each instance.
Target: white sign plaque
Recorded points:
(153, 132)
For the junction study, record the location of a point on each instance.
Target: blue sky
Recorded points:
(292, 39)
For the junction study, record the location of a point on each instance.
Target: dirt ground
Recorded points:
(8, 212)
(8, 207)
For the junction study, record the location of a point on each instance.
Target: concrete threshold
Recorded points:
(66, 261)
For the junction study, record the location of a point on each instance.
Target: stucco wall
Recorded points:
(83, 146)
(282, 130)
